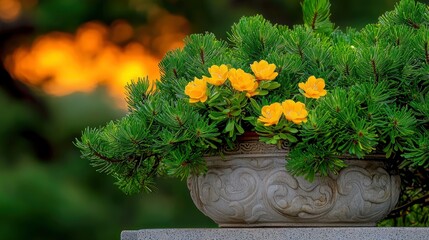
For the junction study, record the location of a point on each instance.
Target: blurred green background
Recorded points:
(46, 190)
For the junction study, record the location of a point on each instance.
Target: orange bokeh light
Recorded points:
(62, 63)
(10, 10)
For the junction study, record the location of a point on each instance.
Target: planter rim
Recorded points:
(243, 149)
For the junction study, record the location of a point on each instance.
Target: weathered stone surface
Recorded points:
(250, 187)
(365, 233)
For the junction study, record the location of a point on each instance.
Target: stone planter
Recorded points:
(249, 187)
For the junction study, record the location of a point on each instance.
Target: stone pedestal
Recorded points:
(352, 233)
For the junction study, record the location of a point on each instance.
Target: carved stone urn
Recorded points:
(250, 187)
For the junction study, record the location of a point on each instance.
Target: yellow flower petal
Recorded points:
(320, 83)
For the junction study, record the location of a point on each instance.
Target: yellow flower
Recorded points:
(313, 88)
(263, 70)
(242, 81)
(271, 114)
(253, 92)
(218, 74)
(197, 90)
(294, 111)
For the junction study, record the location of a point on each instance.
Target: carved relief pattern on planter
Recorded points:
(254, 147)
(256, 190)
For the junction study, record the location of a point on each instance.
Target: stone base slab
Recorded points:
(340, 233)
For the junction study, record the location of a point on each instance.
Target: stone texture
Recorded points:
(369, 233)
(250, 187)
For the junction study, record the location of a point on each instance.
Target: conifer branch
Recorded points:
(424, 200)
(155, 166)
(301, 53)
(262, 41)
(374, 70)
(313, 22)
(347, 70)
(427, 52)
(102, 157)
(175, 73)
(413, 24)
(202, 56)
(179, 121)
(143, 97)
(136, 167)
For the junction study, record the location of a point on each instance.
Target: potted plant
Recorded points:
(335, 113)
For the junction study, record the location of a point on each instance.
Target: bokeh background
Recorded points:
(64, 65)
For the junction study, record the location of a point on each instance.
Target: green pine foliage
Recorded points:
(149, 141)
(377, 80)
(316, 15)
